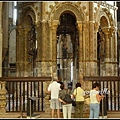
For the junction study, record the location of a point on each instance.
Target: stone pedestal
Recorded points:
(3, 102)
(46, 100)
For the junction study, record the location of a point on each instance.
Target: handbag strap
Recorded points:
(76, 94)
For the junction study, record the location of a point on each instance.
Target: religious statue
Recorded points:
(102, 45)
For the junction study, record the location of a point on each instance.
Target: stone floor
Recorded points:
(40, 115)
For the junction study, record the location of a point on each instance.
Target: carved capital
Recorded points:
(106, 30)
(38, 24)
(96, 25)
(80, 26)
(119, 33)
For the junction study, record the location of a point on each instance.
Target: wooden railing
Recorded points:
(109, 85)
(19, 89)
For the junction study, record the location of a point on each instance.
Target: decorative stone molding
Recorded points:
(72, 7)
(106, 5)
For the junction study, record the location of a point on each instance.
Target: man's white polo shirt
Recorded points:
(54, 87)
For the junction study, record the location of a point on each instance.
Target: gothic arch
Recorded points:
(67, 6)
(104, 13)
(103, 22)
(28, 11)
(109, 15)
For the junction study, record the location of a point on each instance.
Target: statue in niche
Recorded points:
(64, 48)
(64, 51)
(102, 45)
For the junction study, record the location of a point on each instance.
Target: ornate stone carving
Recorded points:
(63, 6)
(3, 92)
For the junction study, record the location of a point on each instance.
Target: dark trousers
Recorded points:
(79, 109)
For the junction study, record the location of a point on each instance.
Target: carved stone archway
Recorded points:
(106, 13)
(69, 7)
(27, 17)
(104, 19)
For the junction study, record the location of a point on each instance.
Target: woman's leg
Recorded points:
(64, 111)
(81, 109)
(69, 110)
(96, 110)
(76, 110)
(91, 111)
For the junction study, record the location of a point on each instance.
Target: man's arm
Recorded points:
(48, 91)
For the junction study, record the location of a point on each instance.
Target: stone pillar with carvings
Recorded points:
(95, 46)
(44, 59)
(115, 53)
(0, 52)
(19, 50)
(81, 58)
(112, 51)
(106, 31)
(81, 52)
(84, 47)
(54, 43)
(39, 49)
(91, 38)
(26, 30)
(3, 93)
(47, 100)
(1, 38)
(87, 48)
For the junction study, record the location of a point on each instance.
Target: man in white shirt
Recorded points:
(53, 89)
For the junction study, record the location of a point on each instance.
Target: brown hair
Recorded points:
(62, 86)
(78, 85)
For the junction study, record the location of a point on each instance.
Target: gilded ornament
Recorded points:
(56, 3)
(51, 6)
(84, 7)
(95, 9)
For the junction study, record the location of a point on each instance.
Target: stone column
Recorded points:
(46, 99)
(115, 54)
(81, 63)
(39, 49)
(106, 31)
(19, 50)
(26, 52)
(1, 38)
(85, 50)
(91, 39)
(95, 46)
(81, 57)
(0, 53)
(54, 46)
(111, 49)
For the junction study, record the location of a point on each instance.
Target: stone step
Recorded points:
(111, 114)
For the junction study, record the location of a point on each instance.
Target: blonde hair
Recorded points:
(54, 78)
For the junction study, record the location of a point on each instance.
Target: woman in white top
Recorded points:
(95, 99)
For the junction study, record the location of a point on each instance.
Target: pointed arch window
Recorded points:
(14, 12)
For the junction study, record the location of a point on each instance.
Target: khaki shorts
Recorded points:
(55, 104)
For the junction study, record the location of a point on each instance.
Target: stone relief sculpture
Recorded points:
(102, 45)
(65, 52)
